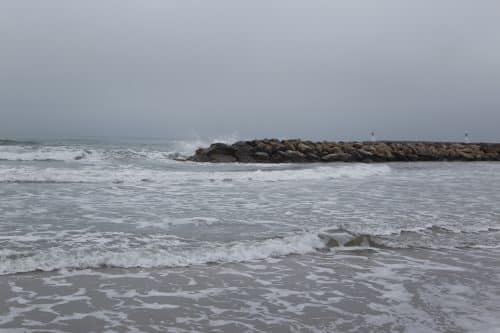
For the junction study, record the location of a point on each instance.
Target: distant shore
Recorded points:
(303, 151)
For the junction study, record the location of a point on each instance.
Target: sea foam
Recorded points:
(82, 258)
(131, 174)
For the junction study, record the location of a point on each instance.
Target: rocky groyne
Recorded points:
(302, 151)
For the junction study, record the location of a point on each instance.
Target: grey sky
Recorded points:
(426, 69)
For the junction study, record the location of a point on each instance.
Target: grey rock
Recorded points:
(340, 157)
(261, 156)
(312, 157)
(244, 152)
(221, 158)
(293, 156)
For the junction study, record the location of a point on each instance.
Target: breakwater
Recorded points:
(303, 151)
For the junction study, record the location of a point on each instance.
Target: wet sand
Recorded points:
(361, 290)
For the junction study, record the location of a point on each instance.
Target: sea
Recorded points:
(118, 235)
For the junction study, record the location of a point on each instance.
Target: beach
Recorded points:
(121, 236)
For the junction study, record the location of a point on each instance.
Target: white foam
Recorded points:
(127, 174)
(89, 153)
(188, 147)
(57, 259)
(319, 173)
(22, 153)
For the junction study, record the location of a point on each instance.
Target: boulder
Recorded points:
(293, 156)
(311, 157)
(365, 153)
(303, 148)
(220, 149)
(319, 148)
(244, 152)
(222, 158)
(340, 157)
(261, 156)
(200, 156)
(264, 146)
(217, 152)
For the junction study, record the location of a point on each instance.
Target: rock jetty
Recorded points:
(302, 151)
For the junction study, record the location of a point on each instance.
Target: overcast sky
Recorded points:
(331, 69)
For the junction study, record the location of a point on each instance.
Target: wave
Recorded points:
(76, 154)
(43, 154)
(131, 175)
(12, 150)
(72, 154)
(157, 256)
(58, 259)
(319, 173)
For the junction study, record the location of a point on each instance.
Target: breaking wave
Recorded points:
(131, 175)
(11, 150)
(151, 256)
(43, 153)
(58, 259)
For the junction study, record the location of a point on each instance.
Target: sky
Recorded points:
(317, 69)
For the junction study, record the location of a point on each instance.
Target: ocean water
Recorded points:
(117, 236)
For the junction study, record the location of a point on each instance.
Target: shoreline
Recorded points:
(305, 151)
